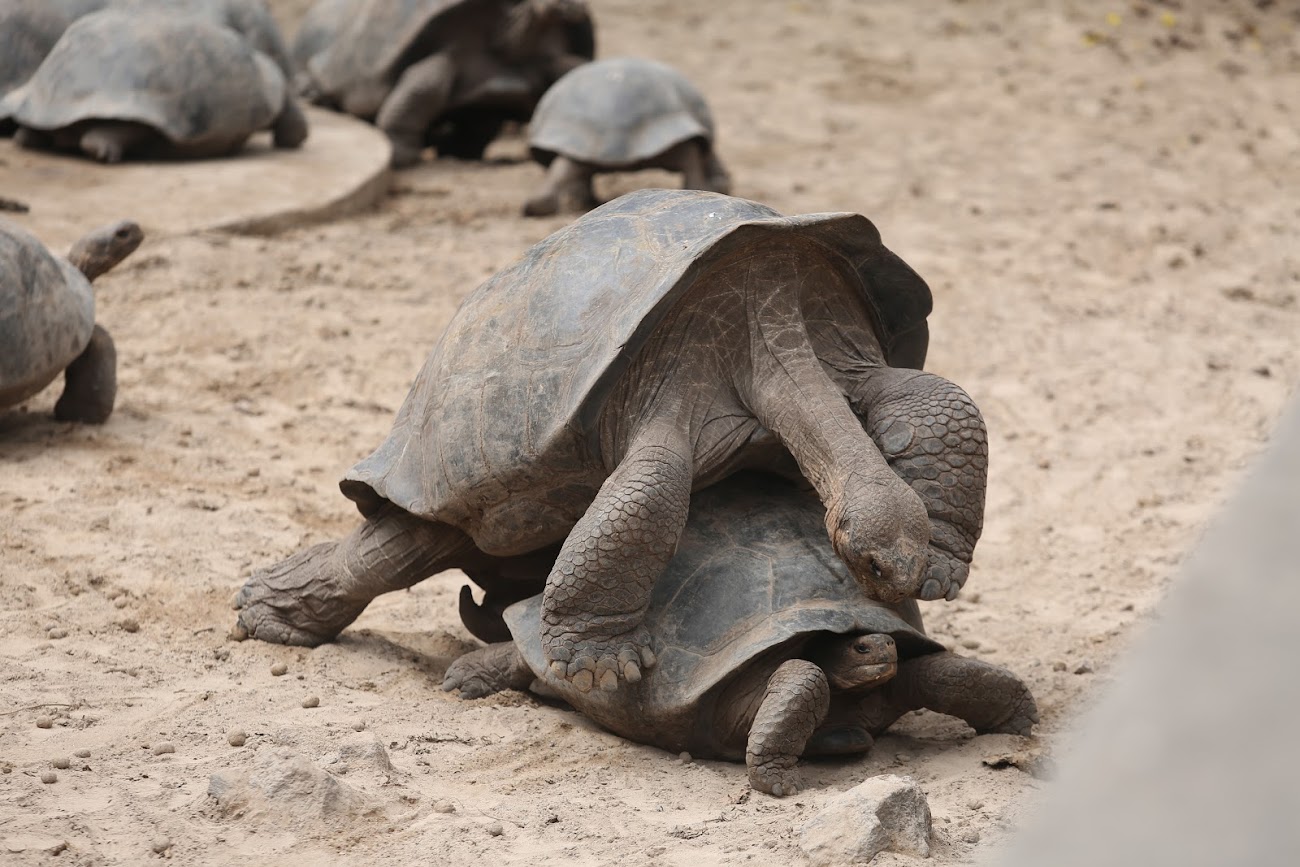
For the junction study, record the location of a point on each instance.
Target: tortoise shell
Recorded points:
(618, 112)
(754, 577)
(505, 412)
(191, 80)
(47, 314)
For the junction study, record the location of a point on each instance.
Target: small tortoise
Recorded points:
(654, 346)
(768, 649)
(617, 115)
(120, 84)
(47, 320)
(415, 66)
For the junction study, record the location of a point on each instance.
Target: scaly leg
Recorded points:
(598, 590)
(90, 382)
(989, 698)
(290, 129)
(416, 101)
(797, 699)
(312, 596)
(488, 670)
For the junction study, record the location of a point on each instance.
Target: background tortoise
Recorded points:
(121, 84)
(615, 115)
(654, 346)
(416, 66)
(47, 320)
(768, 649)
(30, 28)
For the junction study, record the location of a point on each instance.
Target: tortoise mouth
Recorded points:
(862, 676)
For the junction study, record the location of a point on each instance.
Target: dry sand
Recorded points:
(1104, 200)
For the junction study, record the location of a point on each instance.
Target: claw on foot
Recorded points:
(588, 663)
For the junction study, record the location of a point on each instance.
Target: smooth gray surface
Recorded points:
(1192, 757)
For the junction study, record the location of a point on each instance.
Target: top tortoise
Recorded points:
(415, 66)
(654, 346)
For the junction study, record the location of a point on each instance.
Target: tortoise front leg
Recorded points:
(113, 141)
(567, 188)
(797, 699)
(312, 596)
(290, 128)
(488, 670)
(599, 588)
(988, 697)
(90, 382)
(416, 101)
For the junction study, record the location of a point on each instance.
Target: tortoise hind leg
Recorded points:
(416, 101)
(988, 697)
(111, 142)
(700, 169)
(90, 382)
(798, 698)
(311, 597)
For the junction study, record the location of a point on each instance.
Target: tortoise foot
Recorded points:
(587, 661)
(405, 154)
(300, 601)
(487, 671)
(776, 777)
(946, 576)
(1021, 718)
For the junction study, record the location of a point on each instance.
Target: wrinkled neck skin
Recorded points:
(102, 249)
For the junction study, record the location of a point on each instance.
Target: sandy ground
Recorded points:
(1103, 200)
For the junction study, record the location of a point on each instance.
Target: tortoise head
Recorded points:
(857, 661)
(881, 532)
(103, 248)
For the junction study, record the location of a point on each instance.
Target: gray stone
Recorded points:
(286, 788)
(888, 812)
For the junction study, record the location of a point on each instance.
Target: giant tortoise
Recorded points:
(654, 346)
(767, 648)
(620, 114)
(47, 320)
(119, 84)
(415, 67)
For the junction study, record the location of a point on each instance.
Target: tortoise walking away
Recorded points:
(653, 347)
(47, 320)
(415, 67)
(617, 115)
(768, 649)
(119, 84)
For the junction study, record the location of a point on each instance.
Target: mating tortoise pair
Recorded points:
(442, 73)
(661, 343)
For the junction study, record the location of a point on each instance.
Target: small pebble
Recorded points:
(1084, 667)
(130, 624)
(48, 777)
(161, 845)
(902, 757)
(1058, 666)
(44, 722)
(359, 725)
(975, 805)
(237, 738)
(82, 754)
(495, 829)
(279, 669)
(62, 763)
(121, 602)
(970, 643)
(163, 748)
(685, 757)
(57, 632)
(971, 836)
(444, 807)
(311, 701)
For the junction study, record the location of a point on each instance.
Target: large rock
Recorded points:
(884, 813)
